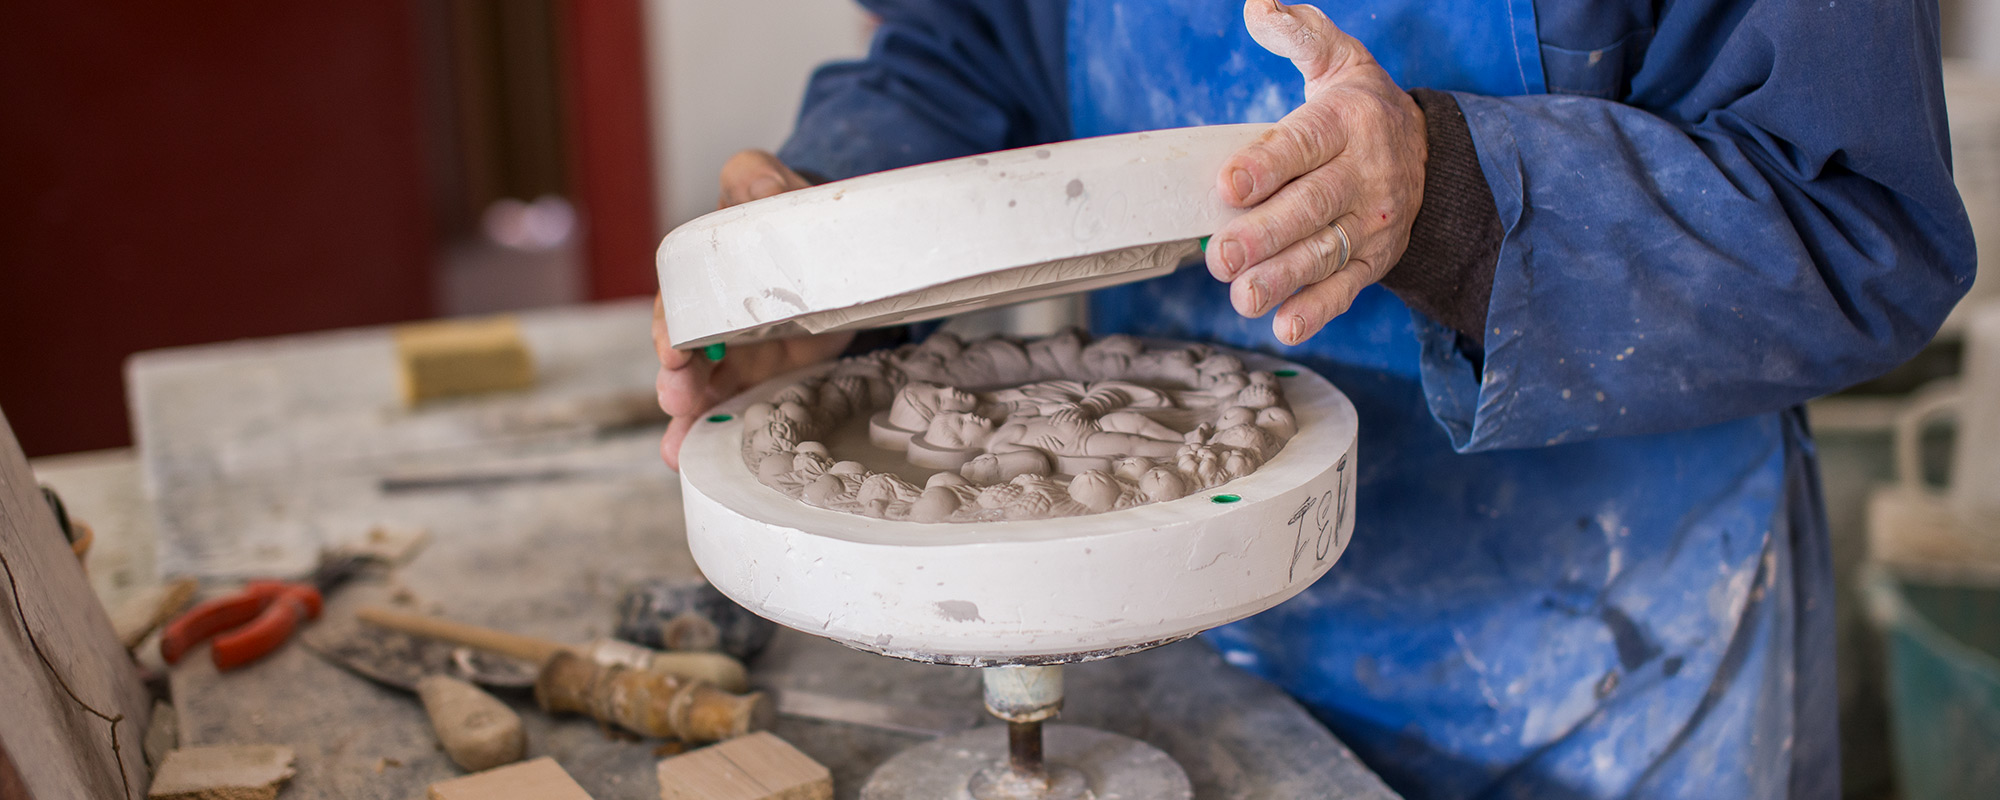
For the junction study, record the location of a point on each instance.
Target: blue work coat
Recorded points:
(1589, 560)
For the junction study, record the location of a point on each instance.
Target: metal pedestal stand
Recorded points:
(1029, 759)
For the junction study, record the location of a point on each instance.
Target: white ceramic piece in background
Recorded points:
(1022, 592)
(937, 239)
(1975, 475)
(1973, 494)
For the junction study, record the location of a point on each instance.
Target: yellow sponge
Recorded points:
(459, 357)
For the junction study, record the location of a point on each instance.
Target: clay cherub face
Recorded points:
(959, 429)
(918, 402)
(954, 399)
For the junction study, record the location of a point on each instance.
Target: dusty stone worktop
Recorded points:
(550, 557)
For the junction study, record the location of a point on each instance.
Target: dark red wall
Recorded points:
(183, 172)
(610, 152)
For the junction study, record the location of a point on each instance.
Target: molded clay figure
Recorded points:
(954, 438)
(1052, 427)
(1094, 399)
(911, 412)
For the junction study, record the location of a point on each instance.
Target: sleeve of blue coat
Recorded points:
(1769, 217)
(942, 79)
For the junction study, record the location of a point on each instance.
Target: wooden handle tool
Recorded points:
(649, 703)
(717, 668)
(526, 648)
(477, 730)
(720, 669)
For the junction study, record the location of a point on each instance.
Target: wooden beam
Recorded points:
(82, 712)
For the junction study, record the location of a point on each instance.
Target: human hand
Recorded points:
(689, 384)
(1353, 154)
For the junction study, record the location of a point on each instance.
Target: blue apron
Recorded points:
(1610, 618)
(1592, 564)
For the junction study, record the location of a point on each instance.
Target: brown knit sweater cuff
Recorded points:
(1447, 272)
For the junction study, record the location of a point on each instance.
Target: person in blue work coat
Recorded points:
(1576, 263)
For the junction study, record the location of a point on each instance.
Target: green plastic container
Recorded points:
(1943, 643)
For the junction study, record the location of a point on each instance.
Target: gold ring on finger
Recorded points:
(1346, 247)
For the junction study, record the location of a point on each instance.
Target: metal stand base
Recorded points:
(1102, 765)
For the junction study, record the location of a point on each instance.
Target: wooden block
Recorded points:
(540, 779)
(459, 357)
(225, 772)
(759, 766)
(150, 608)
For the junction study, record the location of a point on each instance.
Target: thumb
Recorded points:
(754, 175)
(1303, 34)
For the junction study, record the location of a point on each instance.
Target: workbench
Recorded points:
(228, 482)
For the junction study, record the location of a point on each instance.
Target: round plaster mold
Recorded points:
(947, 237)
(1010, 592)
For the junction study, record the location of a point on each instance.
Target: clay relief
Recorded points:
(1006, 429)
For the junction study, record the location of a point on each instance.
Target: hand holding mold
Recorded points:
(689, 383)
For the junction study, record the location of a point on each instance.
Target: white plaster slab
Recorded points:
(1041, 591)
(952, 236)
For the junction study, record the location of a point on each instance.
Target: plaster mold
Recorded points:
(1048, 581)
(1001, 430)
(942, 238)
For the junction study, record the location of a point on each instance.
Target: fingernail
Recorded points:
(1240, 182)
(1232, 257)
(1256, 292)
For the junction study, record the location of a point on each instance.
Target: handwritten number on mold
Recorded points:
(1342, 517)
(1321, 516)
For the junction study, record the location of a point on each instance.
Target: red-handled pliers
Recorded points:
(250, 623)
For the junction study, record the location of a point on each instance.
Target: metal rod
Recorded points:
(1024, 750)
